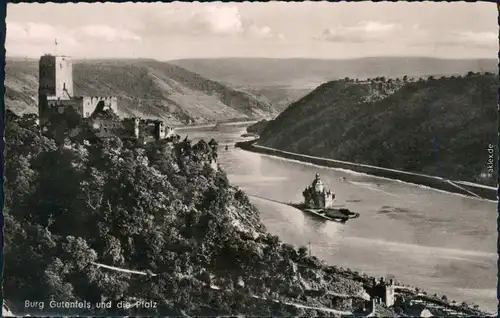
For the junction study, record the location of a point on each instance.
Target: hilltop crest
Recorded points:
(145, 88)
(423, 125)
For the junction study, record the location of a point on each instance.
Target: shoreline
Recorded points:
(214, 124)
(457, 187)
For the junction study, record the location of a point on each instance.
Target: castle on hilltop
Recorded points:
(99, 114)
(384, 290)
(316, 196)
(382, 296)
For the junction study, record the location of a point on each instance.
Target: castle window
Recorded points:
(87, 114)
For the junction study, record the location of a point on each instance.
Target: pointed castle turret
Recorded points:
(316, 196)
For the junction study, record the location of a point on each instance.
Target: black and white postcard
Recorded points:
(251, 159)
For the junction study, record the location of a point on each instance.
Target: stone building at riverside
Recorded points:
(316, 196)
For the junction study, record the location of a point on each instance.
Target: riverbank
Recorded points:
(213, 125)
(459, 187)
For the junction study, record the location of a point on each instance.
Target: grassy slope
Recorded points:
(455, 116)
(144, 87)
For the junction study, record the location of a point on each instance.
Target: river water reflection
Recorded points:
(441, 242)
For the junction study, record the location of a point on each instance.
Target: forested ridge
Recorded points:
(154, 208)
(161, 208)
(436, 126)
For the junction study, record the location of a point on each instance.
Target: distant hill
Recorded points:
(438, 126)
(278, 96)
(146, 88)
(258, 127)
(283, 81)
(310, 73)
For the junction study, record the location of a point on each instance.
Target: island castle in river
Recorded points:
(60, 110)
(316, 196)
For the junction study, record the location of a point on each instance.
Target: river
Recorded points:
(441, 242)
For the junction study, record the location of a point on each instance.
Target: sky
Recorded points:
(167, 31)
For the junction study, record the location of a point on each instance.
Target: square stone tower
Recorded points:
(160, 130)
(56, 76)
(389, 293)
(55, 82)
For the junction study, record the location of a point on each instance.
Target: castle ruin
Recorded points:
(384, 290)
(100, 113)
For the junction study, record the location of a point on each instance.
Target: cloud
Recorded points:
(38, 34)
(204, 20)
(478, 38)
(194, 20)
(221, 20)
(362, 32)
(467, 39)
(107, 33)
(227, 20)
(262, 32)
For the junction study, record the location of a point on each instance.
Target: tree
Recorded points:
(302, 252)
(153, 208)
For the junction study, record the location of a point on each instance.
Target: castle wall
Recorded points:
(90, 104)
(107, 128)
(60, 104)
(328, 201)
(170, 132)
(131, 125)
(321, 201)
(47, 75)
(64, 77)
(160, 130)
(146, 130)
(389, 294)
(50, 104)
(154, 129)
(385, 291)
